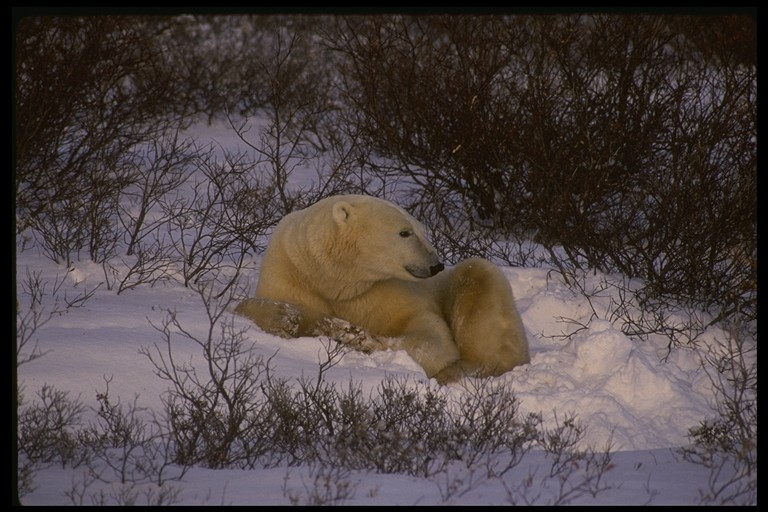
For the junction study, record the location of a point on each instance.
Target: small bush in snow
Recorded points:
(727, 443)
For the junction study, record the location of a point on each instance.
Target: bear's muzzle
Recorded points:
(424, 272)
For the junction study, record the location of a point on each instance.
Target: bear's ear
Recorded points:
(341, 212)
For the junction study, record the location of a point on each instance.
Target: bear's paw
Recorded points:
(350, 335)
(278, 318)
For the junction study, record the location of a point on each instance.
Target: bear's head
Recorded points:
(385, 241)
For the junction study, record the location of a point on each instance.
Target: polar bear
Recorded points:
(367, 261)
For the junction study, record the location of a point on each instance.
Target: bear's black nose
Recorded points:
(436, 269)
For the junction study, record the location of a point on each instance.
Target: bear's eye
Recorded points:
(405, 233)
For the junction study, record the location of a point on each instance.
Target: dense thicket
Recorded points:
(87, 92)
(626, 140)
(623, 143)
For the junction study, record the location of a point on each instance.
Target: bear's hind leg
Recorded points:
(428, 340)
(480, 309)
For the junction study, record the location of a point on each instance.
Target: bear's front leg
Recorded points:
(275, 317)
(291, 321)
(351, 335)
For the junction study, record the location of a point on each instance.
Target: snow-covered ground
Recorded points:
(632, 395)
(624, 391)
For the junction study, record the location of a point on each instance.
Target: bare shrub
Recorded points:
(45, 434)
(47, 428)
(573, 473)
(601, 135)
(74, 140)
(121, 494)
(215, 416)
(493, 435)
(625, 303)
(324, 486)
(221, 220)
(130, 445)
(292, 118)
(400, 429)
(122, 446)
(161, 167)
(31, 317)
(727, 443)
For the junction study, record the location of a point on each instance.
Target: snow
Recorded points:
(618, 387)
(631, 394)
